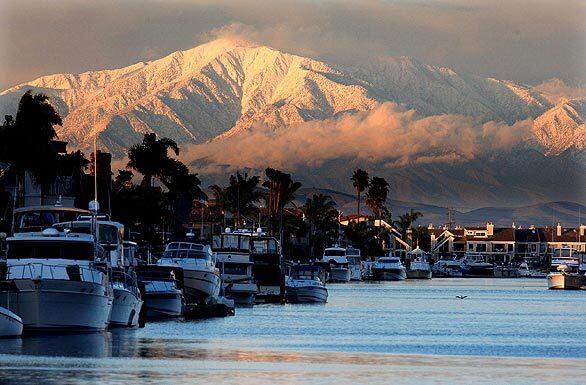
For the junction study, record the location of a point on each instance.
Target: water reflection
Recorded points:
(392, 332)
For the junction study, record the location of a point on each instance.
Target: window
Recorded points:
(510, 247)
(470, 246)
(235, 268)
(334, 253)
(51, 250)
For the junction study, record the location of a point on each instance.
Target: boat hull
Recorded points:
(243, 294)
(60, 305)
(355, 273)
(200, 285)
(10, 324)
(125, 308)
(419, 274)
(389, 274)
(164, 304)
(339, 275)
(559, 281)
(308, 294)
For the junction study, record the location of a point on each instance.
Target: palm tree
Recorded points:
(360, 182)
(27, 140)
(406, 220)
(240, 196)
(321, 214)
(376, 196)
(281, 192)
(151, 158)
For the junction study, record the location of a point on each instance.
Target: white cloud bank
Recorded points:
(388, 134)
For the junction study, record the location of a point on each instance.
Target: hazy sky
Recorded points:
(527, 41)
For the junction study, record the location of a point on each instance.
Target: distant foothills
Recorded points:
(435, 135)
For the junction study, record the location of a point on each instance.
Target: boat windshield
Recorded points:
(334, 252)
(50, 250)
(108, 233)
(41, 219)
(191, 254)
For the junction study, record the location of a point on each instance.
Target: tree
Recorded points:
(281, 192)
(321, 214)
(151, 158)
(406, 220)
(240, 196)
(27, 140)
(360, 182)
(376, 196)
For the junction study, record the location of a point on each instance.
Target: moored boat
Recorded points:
(304, 285)
(201, 279)
(57, 281)
(335, 261)
(447, 268)
(162, 297)
(474, 265)
(389, 269)
(419, 267)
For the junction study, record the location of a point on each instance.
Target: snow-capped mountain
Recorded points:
(217, 91)
(223, 87)
(562, 127)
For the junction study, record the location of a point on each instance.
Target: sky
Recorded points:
(524, 41)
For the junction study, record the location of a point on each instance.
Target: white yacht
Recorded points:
(248, 258)
(447, 268)
(127, 297)
(419, 267)
(335, 260)
(162, 297)
(304, 285)
(10, 324)
(354, 263)
(57, 281)
(565, 274)
(474, 264)
(233, 258)
(389, 268)
(201, 279)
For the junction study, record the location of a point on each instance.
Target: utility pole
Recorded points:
(450, 221)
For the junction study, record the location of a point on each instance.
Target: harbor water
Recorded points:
(412, 332)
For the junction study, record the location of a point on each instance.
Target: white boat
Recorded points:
(564, 273)
(389, 269)
(201, 279)
(474, 264)
(419, 267)
(127, 300)
(160, 293)
(337, 264)
(10, 324)
(57, 281)
(304, 285)
(354, 263)
(252, 266)
(447, 268)
(127, 297)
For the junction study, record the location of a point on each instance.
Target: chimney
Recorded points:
(430, 227)
(532, 227)
(490, 228)
(582, 230)
(558, 230)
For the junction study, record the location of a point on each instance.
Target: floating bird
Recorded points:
(461, 296)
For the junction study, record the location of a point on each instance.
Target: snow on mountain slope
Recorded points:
(223, 87)
(562, 127)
